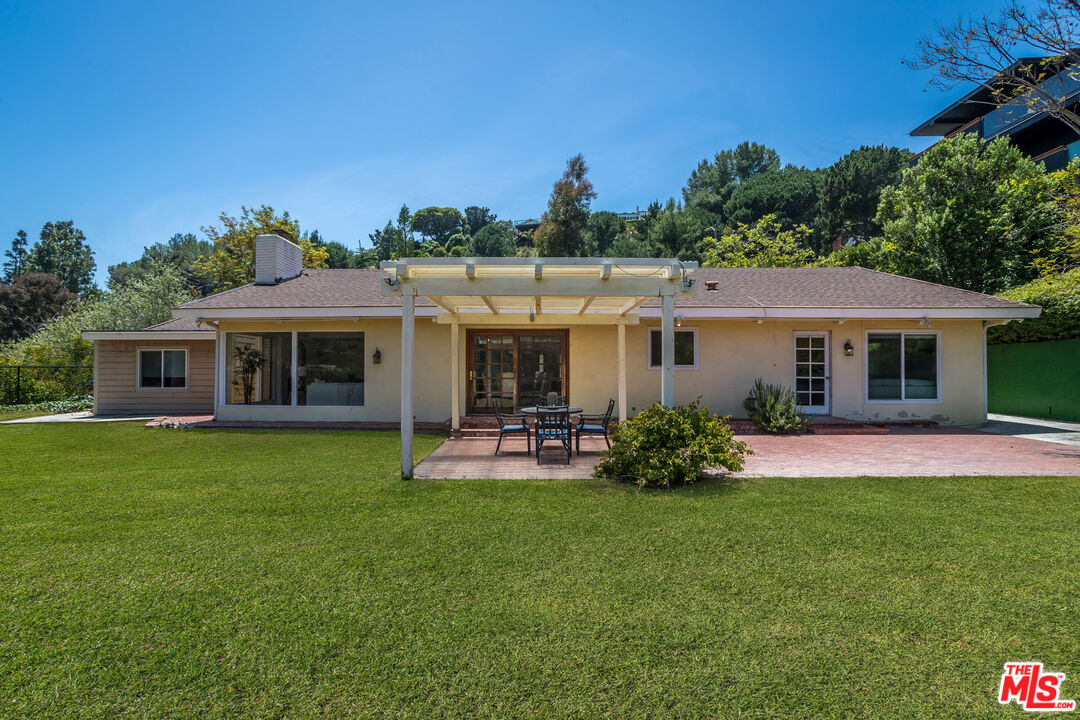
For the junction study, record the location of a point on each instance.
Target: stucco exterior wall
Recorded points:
(116, 390)
(731, 354)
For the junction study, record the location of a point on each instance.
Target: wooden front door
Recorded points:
(510, 369)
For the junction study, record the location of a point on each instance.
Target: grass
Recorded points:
(166, 574)
(19, 414)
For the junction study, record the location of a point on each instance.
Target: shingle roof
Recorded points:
(313, 288)
(815, 287)
(828, 287)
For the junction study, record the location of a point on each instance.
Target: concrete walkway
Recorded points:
(81, 416)
(1054, 431)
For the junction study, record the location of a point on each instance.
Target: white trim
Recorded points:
(138, 368)
(294, 356)
(749, 313)
(866, 366)
(166, 335)
(834, 313)
(812, 409)
(648, 349)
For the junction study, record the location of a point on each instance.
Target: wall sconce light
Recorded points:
(376, 357)
(925, 322)
(678, 320)
(849, 349)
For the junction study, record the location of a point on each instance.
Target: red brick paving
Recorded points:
(907, 452)
(903, 452)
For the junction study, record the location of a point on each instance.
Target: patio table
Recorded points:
(533, 409)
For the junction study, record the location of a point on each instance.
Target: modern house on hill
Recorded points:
(433, 339)
(1038, 135)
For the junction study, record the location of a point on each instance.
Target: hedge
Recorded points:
(1059, 297)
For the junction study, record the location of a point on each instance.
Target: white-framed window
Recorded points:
(903, 366)
(686, 349)
(162, 368)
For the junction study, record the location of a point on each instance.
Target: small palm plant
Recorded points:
(249, 361)
(773, 408)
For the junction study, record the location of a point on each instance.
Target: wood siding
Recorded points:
(116, 389)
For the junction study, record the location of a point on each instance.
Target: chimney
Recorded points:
(276, 259)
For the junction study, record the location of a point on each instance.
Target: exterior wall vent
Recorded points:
(711, 284)
(276, 259)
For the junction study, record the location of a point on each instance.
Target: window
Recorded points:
(902, 367)
(259, 368)
(161, 369)
(329, 368)
(685, 349)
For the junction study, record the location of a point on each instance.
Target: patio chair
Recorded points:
(595, 425)
(512, 425)
(553, 424)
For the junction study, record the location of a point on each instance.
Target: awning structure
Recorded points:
(563, 291)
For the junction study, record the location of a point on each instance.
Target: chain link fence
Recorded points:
(22, 384)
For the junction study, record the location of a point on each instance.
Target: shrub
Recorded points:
(1059, 296)
(83, 402)
(772, 407)
(665, 447)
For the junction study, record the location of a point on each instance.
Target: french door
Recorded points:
(812, 372)
(510, 369)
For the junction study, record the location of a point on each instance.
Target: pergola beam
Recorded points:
(585, 304)
(491, 306)
(634, 304)
(536, 304)
(452, 309)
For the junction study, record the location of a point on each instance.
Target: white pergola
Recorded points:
(539, 291)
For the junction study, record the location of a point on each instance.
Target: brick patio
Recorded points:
(901, 452)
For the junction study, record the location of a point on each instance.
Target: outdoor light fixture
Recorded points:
(849, 349)
(376, 357)
(925, 322)
(678, 320)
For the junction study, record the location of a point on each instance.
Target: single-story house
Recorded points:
(436, 338)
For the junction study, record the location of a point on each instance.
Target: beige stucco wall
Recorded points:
(115, 379)
(731, 353)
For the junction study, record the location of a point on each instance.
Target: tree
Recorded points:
(29, 301)
(16, 257)
(232, 263)
(711, 183)
(136, 305)
(791, 194)
(436, 223)
(404, 228)
(182, 251)
(337, 255)
(850, 190)
(765, 243)
(602, 230)
(493, 240)
(968, 215)
(388, 243)
(477, 218)
(992, 52)
(561, 230)
(62, 251)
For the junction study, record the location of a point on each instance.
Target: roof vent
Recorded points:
(711, 284)
(276, 259)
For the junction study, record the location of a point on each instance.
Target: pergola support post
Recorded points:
(408, 328)
(667, 332)
(455, 380)
(622, 372)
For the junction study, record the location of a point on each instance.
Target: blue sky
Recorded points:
(146, 119)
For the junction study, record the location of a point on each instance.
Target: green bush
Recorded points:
(83, 402)
(665, 447)
(1059, 297)
(773, 408)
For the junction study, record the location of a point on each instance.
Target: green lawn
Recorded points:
(19, 414)
(162, 573)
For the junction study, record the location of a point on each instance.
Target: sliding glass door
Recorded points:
(510, 369)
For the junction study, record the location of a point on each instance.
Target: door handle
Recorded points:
(472, 376)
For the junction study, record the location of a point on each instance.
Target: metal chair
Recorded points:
(553, 399)
(512, 424)
(553, 423)
(595, 425)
